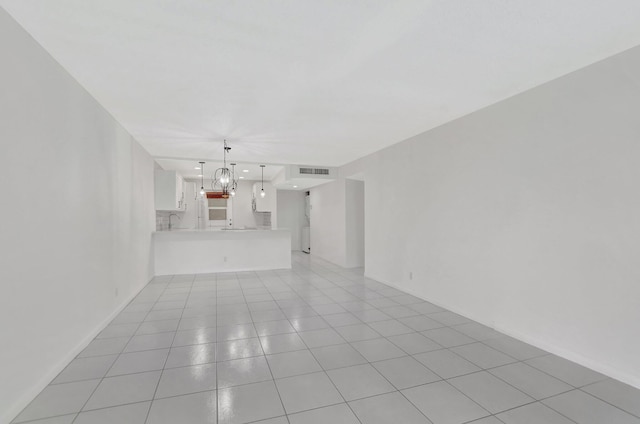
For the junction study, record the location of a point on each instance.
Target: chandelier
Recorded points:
(224, 178)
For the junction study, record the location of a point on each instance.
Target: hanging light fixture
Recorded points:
(222, 178)
(234, 182)
(262, 192)
(202, 192)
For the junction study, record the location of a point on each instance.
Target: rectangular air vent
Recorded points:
(314, 171)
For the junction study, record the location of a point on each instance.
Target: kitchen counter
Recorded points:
(214, 230)
(194, 251)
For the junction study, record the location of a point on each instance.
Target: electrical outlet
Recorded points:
(116, 292)
(411, 276)
(225, 259)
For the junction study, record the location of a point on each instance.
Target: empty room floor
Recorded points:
(317, 344)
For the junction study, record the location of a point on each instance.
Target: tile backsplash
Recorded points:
(263, 220)
(162, 221)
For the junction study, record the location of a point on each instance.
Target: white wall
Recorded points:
(291, 215)
(524, 216)
(337, 221)
(189, 218)
(242, 213)
(328, 220)
(78, 192)
(354, 223)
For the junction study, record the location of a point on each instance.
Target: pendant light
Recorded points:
(202, 192)
(222, 178)
(262, 192)
(234, 183)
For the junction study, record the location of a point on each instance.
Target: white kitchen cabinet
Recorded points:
(169, 191)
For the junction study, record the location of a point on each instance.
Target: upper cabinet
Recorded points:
(169, 191)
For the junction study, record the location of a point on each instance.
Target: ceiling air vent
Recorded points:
(314, 171)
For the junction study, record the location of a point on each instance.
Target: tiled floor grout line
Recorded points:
(168, 352)
(371, 364)
(550, 375)
(446, 380)
(534, 402)
(78, 413)
(558, 412)
(603, 400)
(546, 406)
(305, 288)
(265, 419)
(336, 368)
(448, 348)
(319, 364)
(287, 318)
(116, 359)
(268, 419)
(485, 369)
(332, 382)
(264, 354)
(216, 357)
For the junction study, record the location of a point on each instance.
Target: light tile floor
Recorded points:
(317, 344)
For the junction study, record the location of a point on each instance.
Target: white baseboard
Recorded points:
(572, 356)
(47, 378)
(540, 344)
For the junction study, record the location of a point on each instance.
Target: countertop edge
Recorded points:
(239, 231)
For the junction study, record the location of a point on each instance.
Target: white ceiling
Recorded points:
(314, 82)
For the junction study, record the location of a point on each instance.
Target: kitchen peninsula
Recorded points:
(195, 251)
